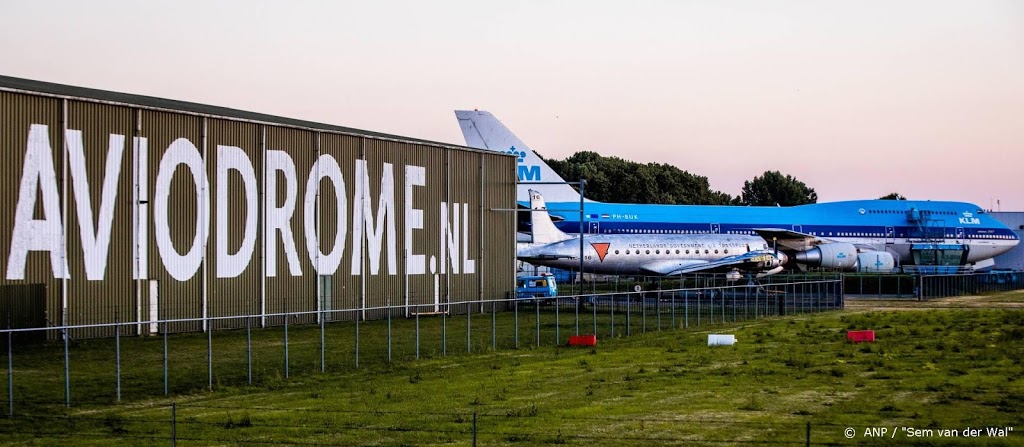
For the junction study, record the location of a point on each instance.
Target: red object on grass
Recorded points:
(583, 340)
(860, 336)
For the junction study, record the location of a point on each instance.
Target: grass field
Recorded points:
(948, 365)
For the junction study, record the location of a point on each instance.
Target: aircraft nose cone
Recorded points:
(783, 259)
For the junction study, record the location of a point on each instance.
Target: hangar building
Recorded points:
(1013, 259)
(127, 208)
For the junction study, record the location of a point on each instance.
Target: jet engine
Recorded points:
(875, 261)
(837, 255)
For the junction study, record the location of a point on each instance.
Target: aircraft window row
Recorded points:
(849, 234)
(813, 233)
(636, 231)
(990, 236)
(943, 213)
(677, 251)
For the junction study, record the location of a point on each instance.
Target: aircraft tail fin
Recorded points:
(544, 230)
(483, 131)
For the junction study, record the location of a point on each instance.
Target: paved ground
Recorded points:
(1009, 300)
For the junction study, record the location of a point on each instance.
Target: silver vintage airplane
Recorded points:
(646, 254)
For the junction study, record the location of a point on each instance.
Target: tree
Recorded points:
(892, 196)
(772, 188)
(612, 179)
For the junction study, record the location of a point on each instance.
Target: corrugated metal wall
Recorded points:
(181, 205)
(20, 114)
(235, 295)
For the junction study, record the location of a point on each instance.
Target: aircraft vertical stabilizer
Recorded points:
(483, 131)
(544, 230)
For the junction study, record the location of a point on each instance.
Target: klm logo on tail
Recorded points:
(526, 173)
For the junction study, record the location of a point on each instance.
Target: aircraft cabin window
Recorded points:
(687, 251)
(677, 251)
(647, 252)
(716, 251)
(627, 252)
(616, 252)
(657, 252)
(726, 251)
(705, 251)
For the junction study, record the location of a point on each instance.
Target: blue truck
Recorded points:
(539, 286)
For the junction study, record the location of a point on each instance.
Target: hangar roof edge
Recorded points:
(10, 83)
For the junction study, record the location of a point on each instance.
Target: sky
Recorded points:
(856, 99)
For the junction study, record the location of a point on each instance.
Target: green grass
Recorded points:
(930, 369)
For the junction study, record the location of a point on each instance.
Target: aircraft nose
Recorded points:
(783, 259)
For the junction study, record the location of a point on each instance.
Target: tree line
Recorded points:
(612, 179)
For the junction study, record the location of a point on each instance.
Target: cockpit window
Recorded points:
(981, 211)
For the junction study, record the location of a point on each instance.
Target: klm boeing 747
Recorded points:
(872, 235)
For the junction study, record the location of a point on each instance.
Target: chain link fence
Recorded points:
(166, 363)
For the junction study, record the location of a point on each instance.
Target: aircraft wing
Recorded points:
(746, 261)
(793, 240)
(667, 266)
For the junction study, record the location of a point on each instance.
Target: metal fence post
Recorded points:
(10, 373)
(558, 336)
(469, 328)
(164, 326)
(389, 334)
(474, 429)
(673, 299)
(611, 314)
(209, 353)
(248, 349)
(576, 299)
(686, 309)
(444, 331)
(323, 359)
(417, 332)
(286, 345)
(117, 356)
(67, 371)
(643, 313)
(536, 308)
(174, 424)
(629, 298)
(357, 339)
(515, 311)
(494, 326)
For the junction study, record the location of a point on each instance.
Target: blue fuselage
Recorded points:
(889, 225)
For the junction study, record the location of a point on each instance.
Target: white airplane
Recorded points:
(657, 254)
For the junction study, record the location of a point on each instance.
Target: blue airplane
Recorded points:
(863, 235)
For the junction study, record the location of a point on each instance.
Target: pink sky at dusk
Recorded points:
(856, 99)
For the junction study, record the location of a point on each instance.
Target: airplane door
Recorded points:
(716, 228)
(960, 233)
(798, 228)
(890, 235)
(595, 227)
